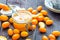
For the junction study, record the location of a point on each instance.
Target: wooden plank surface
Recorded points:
(55, 17)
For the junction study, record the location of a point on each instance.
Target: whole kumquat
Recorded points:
(51, 36)
(34, 21)
(33, 27)
(39, 8)
(15, 36)
(40, 18)
(16, 31)
(34, 12)
(46, 18)
(5, 25)
(30, 9)
(4, 18)
(42, 25)
(49, 22)
(44, 12)
(44, 37)
(10, 32)
(24, 34)
(56, 33)
(43, 30)
(4, 7)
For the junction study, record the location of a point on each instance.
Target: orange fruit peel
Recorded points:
(4, 7)
(5, 25)
(10, 32)
(44, 37)
(39, 8)
(43, 30)
(24, 34)
(15, 36)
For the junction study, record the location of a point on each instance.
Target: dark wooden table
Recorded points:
(54, 16)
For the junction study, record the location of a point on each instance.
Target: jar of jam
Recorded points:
(21, 18)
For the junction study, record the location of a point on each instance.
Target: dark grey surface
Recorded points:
(54, 16)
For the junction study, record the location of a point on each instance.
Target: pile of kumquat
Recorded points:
(40, 18)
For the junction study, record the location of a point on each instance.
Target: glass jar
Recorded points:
(19, 26)
(20, 19)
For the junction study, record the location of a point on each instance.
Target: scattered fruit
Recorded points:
(33, 27)
(3, 38)
(41, 24)
(11, 20)
(15, 36)
(4, 7)
(44, 38)
(49, 22)
(43, 30)
(10, 32)
(4, 18)
(34, 12)
(24, 34)
(51, 36)
(30, 9)
(39, 8)
(56, 33)
(44, 12)
(40, 18)
(46, 18)
(16, 31)
(42, 27)
(34, 21)
(5, 25)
